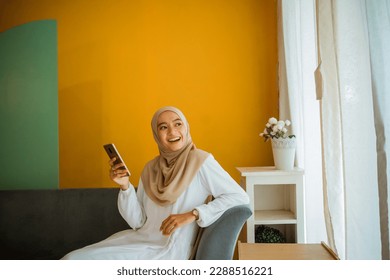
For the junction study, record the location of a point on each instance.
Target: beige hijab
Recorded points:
(168, 175)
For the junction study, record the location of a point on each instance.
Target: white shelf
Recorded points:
(266, 171)
(274, 217)
(276, 198)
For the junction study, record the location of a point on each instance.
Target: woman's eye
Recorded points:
(163, 127)
(178, 124)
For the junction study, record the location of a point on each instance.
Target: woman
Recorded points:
(169, 203)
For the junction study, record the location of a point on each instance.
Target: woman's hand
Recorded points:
(174, 221)
(119, 175)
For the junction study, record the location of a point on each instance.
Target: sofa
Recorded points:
(46, 224)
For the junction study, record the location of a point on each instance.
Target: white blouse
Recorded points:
(144, 240)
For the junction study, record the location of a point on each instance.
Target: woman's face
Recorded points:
(171, 131)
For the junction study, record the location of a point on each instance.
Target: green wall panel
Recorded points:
(29, 107)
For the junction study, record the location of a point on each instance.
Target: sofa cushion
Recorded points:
(47, 224)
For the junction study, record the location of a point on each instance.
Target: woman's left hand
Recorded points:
(174, 221)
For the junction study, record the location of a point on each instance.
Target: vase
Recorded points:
(283, 150)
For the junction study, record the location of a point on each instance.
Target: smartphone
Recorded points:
(113, 152)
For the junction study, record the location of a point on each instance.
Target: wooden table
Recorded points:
(285, 251)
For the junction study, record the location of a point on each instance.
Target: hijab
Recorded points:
(168, 175)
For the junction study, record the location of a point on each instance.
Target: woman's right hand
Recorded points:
(119, 175)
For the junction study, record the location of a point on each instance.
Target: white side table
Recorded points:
(285, 207)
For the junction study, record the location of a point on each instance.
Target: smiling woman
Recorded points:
(170, 202)
(171, 131)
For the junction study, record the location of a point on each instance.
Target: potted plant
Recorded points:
(283, 143)
(266, 234)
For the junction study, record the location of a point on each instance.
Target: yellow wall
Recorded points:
(119, 61)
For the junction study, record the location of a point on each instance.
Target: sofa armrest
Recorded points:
(218, 240)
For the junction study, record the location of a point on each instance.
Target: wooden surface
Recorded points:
(286, 251)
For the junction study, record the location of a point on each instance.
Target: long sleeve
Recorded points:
(130, 206)
(226, 192)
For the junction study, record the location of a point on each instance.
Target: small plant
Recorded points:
(266, 234)
(276, 129)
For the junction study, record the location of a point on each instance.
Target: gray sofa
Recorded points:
(47, 224)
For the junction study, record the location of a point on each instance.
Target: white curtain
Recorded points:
(298, 103)
(348, 112)
(378, 19)
(352, 86)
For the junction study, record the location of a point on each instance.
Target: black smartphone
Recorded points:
(112, 152)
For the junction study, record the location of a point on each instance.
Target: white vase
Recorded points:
(284, 153)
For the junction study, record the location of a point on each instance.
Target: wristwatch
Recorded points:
(196, 214)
